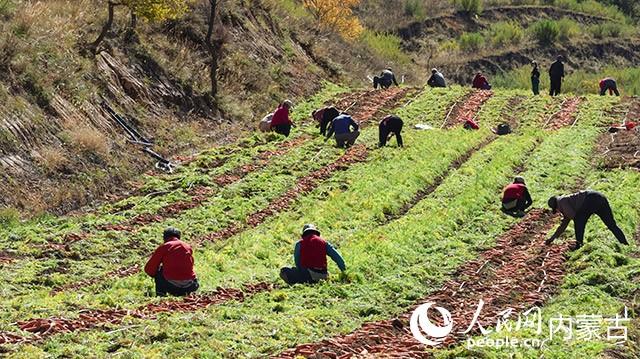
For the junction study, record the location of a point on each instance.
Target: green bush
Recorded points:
(469, 6)
(415, 9)
(387, 46)
(506, 33)
(609, 29)
(546, 32)
(568, 29)
(471, 41)
(9, 217)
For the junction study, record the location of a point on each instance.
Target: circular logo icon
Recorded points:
(420, 324)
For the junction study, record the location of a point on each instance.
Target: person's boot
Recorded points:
(624, 242)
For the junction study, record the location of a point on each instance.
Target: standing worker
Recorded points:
(280, 122)
(342, 127)
(389, 126)
(609, 84)
(385, 80)
(310, 256)
(556, 74)
(516, 198)
(436, 79)
(579, 207)
(171, 265)
(324, 117)
(535, 78)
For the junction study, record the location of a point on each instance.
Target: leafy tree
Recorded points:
(336, 15)
(151, 10)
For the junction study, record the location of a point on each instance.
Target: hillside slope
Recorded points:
(59, 149)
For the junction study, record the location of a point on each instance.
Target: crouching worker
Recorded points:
(579, 207)
(346, 130)
(172, 266)
(310, 256)
(516, 198)
(389, 126)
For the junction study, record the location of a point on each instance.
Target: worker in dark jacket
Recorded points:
(516, 198)
(385, 80)
(556, 74)
(610, 85)
(346, 130)
(280, 122)
(579, 207)
(480, 82)
(389, 126)
(172, 266)
(535, 78)
(436, 79)
(324, 117)
(310, 256)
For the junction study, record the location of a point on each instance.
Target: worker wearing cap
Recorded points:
(579, 207)
(310, 256)
(516, 198)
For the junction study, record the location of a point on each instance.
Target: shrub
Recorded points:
(469, 6)
(546, 32)
(568, 29)
(53, 159)
(415, 9)
(89, 140)
(506, 33)
(385, 45)
(471, 41)
(9, 216)
(609, 29)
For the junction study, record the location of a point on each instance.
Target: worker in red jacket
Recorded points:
(280, 122)
(609, 84)
(172, 266)
(310, 255)
(480, 82)
(516, 198)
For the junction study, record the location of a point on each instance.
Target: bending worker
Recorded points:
(579, 207)
(280, 122)
(481, 82)
(516, 198)
(310, 256)
(609, 84)
(389, 126)
(342, 127)
(385, 80)
(172, 266)
(324, 116)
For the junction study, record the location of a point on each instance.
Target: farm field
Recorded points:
(416, 224)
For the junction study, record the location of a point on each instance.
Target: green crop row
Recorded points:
(53, 229)
(123, 290)
(602, 279)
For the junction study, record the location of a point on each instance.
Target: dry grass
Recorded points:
(89, 140)
(53, 159)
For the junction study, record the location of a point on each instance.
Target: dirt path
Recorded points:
(621, 149)
(519, 272)
(566, 116)
(467, 108)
